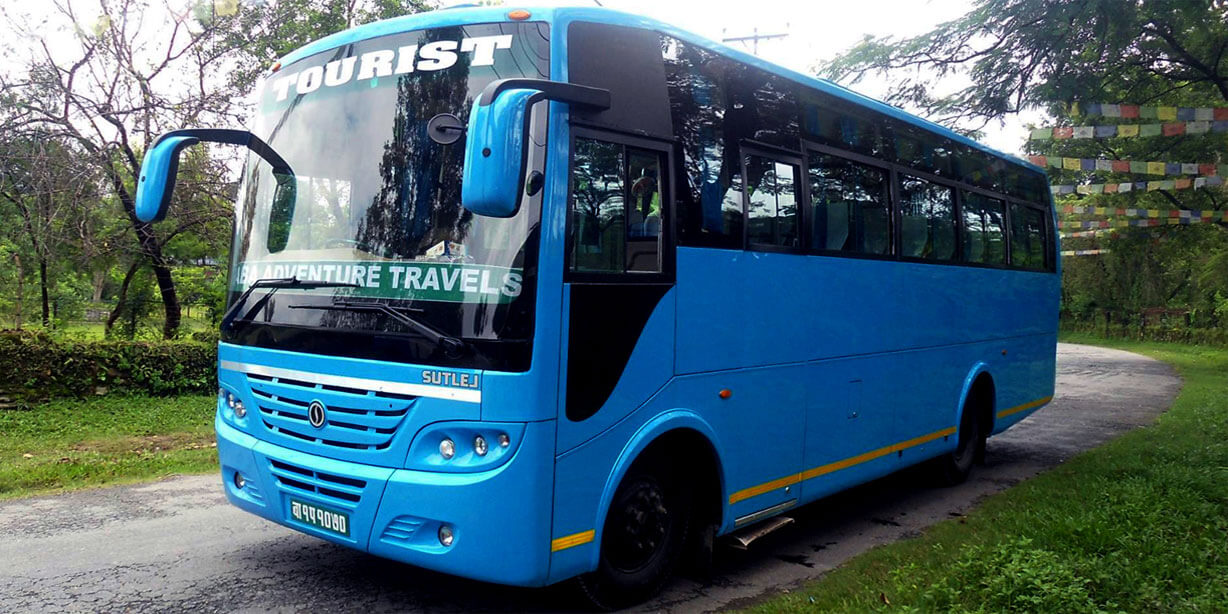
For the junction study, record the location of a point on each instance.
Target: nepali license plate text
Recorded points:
(319, 517)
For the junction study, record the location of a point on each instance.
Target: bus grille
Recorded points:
(356, 419)
(343, 490)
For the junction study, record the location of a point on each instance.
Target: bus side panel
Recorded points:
(1028, 384)
(849, 413)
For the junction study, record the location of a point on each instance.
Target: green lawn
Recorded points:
(69, 444)
(1137, 525)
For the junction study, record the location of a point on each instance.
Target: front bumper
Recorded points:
(500, 518)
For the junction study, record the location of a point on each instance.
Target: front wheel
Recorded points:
(641, 540)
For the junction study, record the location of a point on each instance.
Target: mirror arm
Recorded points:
(236, 137)
(592, 98)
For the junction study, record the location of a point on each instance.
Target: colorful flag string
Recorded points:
(1132, 212)
(1138, 186)
(1134, 111)
(1131, 166)
(1139, 223)
(1128, 130)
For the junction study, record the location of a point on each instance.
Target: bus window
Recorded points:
(771, 202)
(598, 216)
(644, 228)
(849, 208)
(927, 223)
(1027, 238)
(984, 231)
(615, 216)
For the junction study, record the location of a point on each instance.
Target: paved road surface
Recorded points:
(177, 545)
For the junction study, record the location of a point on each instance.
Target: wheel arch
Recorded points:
(694, 436)
(979, 387)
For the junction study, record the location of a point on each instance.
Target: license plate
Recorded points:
(320, 517)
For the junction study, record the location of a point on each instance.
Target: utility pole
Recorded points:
(754, 38)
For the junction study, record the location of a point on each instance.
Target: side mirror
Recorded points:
(161, 163)
(496, 150)
(157, 181)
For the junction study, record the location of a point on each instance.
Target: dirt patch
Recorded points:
(147, 444)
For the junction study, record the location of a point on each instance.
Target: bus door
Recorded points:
(618, 291)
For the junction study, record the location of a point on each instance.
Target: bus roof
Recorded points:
(461, 16)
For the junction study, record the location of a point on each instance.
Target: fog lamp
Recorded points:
(504, 440)
(445, 535)
(447, 449)
(240, 481)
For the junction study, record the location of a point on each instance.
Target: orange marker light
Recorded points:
(276, 67)
(518, 15)
(725, 393)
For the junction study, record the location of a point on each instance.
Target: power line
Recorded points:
(754, 38)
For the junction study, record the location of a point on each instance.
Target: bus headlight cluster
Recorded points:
(233, 402)
(481, 447)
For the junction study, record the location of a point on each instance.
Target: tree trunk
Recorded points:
(42, 281)
(100, 280)
(123, 295)
(21, 289)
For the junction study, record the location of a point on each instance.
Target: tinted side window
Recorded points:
(709, 197)
(772, 202)
(927, 221)
(849, 207)
(829, 121)
(715, 104)
(1027, 237)
(615, 218)
(984, 229)
(598, 211)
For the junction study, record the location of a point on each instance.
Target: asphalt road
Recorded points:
(177, 545)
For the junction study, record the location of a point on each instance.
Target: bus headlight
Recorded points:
(447, 448)
(479, 445)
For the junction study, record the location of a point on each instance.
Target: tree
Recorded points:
(1022, 54)
(41, 180)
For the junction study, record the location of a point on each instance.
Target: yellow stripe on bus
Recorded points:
(571, 541)
(1026, 406)
(789, 480)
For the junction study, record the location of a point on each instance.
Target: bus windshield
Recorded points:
(374, 204)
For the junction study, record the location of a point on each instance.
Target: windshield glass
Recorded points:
(375, 203)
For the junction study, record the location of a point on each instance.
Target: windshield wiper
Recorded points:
(452, 346)
(275, 283)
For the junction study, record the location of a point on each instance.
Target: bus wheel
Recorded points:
(641, 540)
(953, 468)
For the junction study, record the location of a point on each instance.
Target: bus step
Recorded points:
(744, 538)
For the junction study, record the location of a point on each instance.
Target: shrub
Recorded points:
(38, 366)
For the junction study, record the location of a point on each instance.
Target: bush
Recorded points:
(38, 366)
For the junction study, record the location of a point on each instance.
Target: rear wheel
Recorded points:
(641, 540)
(953, 468)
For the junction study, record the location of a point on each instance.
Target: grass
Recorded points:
(1137, 525)
(70, 444)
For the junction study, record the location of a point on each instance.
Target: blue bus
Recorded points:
(545, 294)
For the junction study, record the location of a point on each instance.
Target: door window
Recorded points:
(616, 212)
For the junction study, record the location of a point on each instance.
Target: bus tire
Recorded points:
(954, 467)
(642, 539)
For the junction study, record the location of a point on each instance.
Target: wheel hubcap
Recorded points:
(639, 527)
